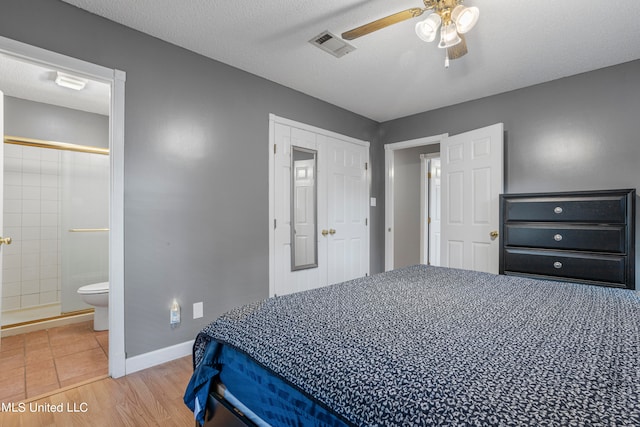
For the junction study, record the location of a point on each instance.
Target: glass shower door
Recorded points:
(84, 224)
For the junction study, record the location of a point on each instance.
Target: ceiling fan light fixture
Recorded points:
(448, 36)
(449, 16)
(465, 17)
(428, 29)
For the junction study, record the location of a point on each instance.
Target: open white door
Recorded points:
(472, 180)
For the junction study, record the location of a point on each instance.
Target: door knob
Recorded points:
(493, 234)
(332, 231)
(324, 232)
(5, 240)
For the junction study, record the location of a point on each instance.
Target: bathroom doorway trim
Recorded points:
(116, 79)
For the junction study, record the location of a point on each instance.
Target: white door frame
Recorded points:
(116, 79)
(273, 119)
(388, 189)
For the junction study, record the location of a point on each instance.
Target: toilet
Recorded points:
(97, 295)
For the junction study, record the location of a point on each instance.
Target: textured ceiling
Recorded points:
(33, 82)
(516, 43)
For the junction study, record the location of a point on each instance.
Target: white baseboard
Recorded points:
(157, 357)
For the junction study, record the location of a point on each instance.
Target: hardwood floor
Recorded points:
(152, 397)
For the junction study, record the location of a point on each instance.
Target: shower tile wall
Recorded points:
(31, 264)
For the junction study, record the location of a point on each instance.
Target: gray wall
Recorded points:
(196, 160)
(194, 232)
(30, 119)
(406, 204)
(576, 133)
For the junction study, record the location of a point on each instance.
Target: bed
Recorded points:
(423, 346)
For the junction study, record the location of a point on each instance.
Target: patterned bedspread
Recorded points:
(425, 346)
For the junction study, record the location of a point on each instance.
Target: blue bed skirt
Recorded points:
(271, 399)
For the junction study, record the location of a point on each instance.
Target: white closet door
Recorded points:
(287, 281)
(347, 210)
(342, 206)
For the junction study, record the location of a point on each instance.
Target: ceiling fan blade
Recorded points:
(459, 50)
(382, 22)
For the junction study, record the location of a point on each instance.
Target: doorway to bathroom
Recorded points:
(15, 349)
(55, 214)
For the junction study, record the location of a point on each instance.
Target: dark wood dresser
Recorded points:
(585, 237)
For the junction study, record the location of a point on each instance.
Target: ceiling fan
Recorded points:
(450, 16)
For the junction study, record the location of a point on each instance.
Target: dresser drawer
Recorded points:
(611, 209)
(571, 237)
(610, 269)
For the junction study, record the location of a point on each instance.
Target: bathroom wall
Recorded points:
(30, 277)
(49, 122)
(33, 203)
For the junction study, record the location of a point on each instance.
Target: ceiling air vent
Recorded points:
(332, 44)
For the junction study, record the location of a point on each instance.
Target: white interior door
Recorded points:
(435, 209)
(430, 196)
(472, 171)
(424, 209)
(347, 210)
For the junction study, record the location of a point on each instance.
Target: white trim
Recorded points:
(388, 189)
(116, 79)
(418, 142)
(158, 357)
(117, 355)
(276, 119)
(388, 209)
(424, 208)
(272, 207)
(41, 56)
(273, 119)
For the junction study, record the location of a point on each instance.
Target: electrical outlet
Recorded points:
(198, 310)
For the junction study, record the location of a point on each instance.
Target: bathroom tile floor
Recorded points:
(40, 362)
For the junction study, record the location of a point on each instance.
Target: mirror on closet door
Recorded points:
(304, 195)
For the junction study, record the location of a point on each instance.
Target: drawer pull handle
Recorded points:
(557, 237)
(557, 264)
(558, 210)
